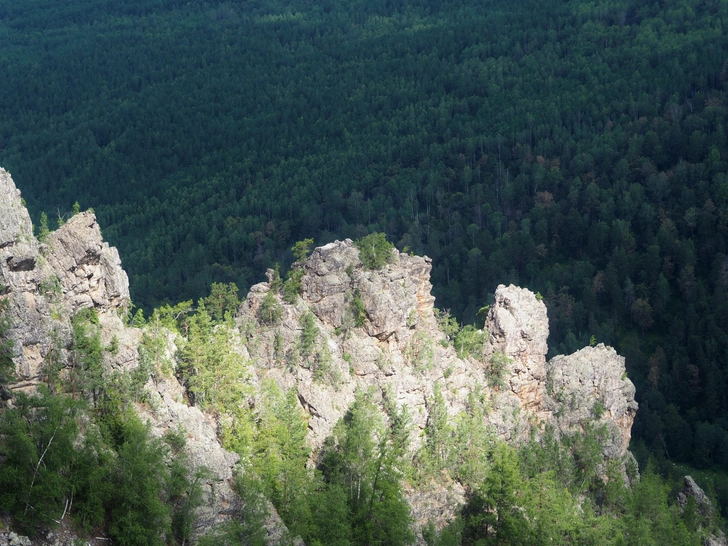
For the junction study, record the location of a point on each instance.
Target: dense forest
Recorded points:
(577, 148)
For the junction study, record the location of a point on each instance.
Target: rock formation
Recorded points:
(74, 269)
(398, 350)
(591, 386)
(375, 329)
(691, 491)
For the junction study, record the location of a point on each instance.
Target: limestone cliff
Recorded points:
(375, 329)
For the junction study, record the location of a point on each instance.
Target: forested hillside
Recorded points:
(577, 148)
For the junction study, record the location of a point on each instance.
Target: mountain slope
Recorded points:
(347, 331)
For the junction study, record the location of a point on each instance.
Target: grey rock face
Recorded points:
(399, 351)
(89, 271)
(327, 282)
(704, 509)
(21, 278)
(590, 386)
(74, 269)
(13, 539)
(394, 347)
(692, 490)
(391, 296)
(518, 328)
(18, 247)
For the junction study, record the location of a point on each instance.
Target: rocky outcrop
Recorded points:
(392, 297)
(518, 327)
(18, 247)
(691, 491)
(21, 284)
(46, 284)
(396, 348)
(88, 269)
(591, 386)
(373, 330)
(377, 329)
(13, 539)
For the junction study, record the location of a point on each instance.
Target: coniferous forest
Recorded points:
(576, 148)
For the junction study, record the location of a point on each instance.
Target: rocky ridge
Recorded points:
(398, 350)
(376, 330)
(73, 269)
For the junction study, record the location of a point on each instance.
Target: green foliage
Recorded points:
(400, 428)
(325, 370)
(494, 513)
(309, 335)
(586, 451)
(176, 439)
(113, 347)
(374, 250)
(519, 503)
(650, 516)
(138, 514)
(138, 320)
(153, 353)
(184, 492)
(482, 313)
(292, 285)
(447, 324)
(175, 318)
(473, 441)
(361, 463)
(270, 310)
(497, 370)
(216, 375)
(7, 367)
(357, 309)
(131, 484)
(37, 444)
(87, 374)
(469, 342)
(222, 303)
(598, 409)
(275, 282)
(438, 432)
(281, 451)
(302, 249)
(51, 287)
(43, 230)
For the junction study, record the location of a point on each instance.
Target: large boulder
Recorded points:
(591, 387)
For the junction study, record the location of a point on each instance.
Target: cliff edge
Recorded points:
(348, 329)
